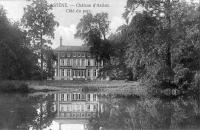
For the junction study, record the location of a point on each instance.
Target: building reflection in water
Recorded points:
(76, 108)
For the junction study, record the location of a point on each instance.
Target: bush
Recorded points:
(13, 86)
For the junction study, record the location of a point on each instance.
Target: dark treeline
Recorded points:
(158, 45)
(24, 52)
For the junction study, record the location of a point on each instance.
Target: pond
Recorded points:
(89, 110)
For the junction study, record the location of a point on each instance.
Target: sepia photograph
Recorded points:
(100, 64)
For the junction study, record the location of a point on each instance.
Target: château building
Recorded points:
(75, 63)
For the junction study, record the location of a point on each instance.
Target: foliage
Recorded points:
(161, 42)
(93, 30)
(40, 23)
(14, 44)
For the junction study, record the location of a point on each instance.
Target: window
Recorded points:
(83, 62)
(62, 72)
(68, 97)
(68, 72)
(88, 62)
(95, 73)
(68, 62)
(88, 107)
(73, 96)
(88, 97)
(73, 72)
(62, 97)
(78, 62)
(74, 54)
(88, 72)
(83, 54)
(74, 62)
(65, 61)
(61, 61)
(88, 54)
(68, 54)
(95, 97)
(79, 54)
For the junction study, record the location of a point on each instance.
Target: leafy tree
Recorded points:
(40, 23)
(14, 44)
(93, 30)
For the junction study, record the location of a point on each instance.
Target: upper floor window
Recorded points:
(83, 62)
(68, 62)
(62, 97)
(78, 62)
(89, 62)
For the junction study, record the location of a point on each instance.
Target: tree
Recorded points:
(14, 44)
(40, 23)
(93, 30)
(162, 10)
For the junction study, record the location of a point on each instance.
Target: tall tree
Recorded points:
(93, 30)
(14, 44)
(40, 23)
(162, 10)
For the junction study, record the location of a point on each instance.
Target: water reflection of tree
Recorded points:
(20, 112)
(128, 114)
(45, 112)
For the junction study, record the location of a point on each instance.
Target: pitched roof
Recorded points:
(72, 48)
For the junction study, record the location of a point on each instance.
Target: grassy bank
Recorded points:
(120, 87)
(105, 87)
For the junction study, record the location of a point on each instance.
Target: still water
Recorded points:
(78, 110)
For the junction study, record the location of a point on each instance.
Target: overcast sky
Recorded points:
(68, 21)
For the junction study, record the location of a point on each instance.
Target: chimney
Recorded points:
(60, 41)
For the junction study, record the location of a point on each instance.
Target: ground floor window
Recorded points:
(68, 72)
(80, 73)
(88, 72)
(95, 73)
(62, 72)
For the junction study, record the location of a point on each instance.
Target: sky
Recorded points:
(68, 19)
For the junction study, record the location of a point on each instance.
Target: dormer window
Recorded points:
(68, 54)
(88, 54)
(74, 54)
(83, 54)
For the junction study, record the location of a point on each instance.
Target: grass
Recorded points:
(115, 87)
(14, 86)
